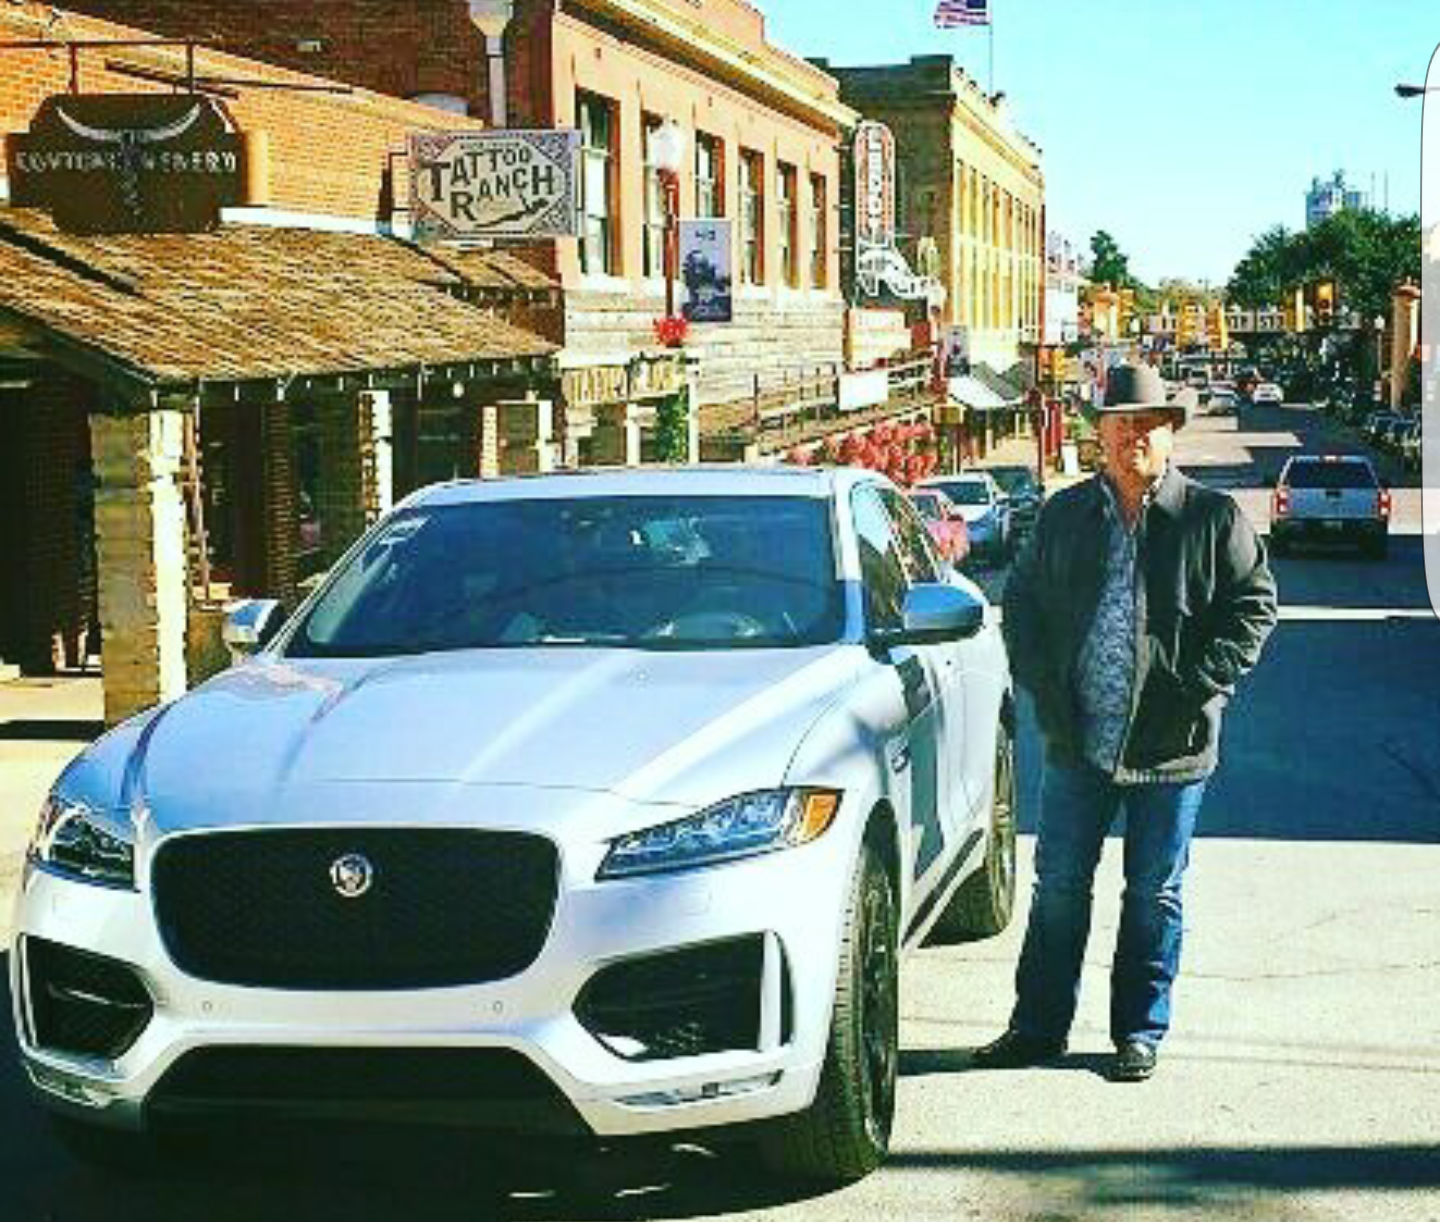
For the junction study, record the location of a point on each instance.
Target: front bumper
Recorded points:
(526, 1030)
(1329, 530)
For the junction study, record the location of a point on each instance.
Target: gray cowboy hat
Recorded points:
(1138, 388)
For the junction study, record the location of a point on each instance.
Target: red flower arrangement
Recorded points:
(672, 330)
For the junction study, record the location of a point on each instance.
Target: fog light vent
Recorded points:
(678, 1003)
(83, 1003)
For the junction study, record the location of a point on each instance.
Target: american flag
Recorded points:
(951, 13)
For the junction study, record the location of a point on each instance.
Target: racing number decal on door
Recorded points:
(921, 750)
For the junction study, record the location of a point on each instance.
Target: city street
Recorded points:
(1302, 1080)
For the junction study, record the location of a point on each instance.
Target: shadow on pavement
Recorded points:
(1366, 693)
(1205, 1177)
(40, 730)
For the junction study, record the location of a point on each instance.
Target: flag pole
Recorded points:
(990, 30)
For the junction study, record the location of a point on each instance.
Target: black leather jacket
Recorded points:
(1205, 602)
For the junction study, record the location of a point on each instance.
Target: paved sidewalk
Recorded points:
(44, 723)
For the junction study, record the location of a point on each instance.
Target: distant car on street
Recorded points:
(1410, 446)
(1268, 392)
(985, 507)
(1223, 403)
(1026, 495)
(1331, 498)
(945, 523)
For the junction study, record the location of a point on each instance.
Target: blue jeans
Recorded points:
(1077, 807)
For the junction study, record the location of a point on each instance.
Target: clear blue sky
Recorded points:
(1184, 127)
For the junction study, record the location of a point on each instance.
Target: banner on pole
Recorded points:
(705, 270)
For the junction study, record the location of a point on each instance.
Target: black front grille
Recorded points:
(84, 1003)
(486, 1087)
(444, 907)
(679, 1003)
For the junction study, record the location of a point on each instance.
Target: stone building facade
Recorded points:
(190, 417)
(972, 184)
(764, 131)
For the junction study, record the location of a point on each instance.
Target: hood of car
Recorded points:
(973, 513)
(645, 726)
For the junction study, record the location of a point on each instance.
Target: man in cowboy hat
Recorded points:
(1140, 600)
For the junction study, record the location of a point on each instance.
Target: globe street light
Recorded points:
(667, 153)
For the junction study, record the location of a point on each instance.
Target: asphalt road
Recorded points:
(1302, 1081)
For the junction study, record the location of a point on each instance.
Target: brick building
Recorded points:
(972, 184)
(185, 417)
(764, 131)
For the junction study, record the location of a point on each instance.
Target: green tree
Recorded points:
(1111, 265)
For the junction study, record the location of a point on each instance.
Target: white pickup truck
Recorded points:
(1330, 498)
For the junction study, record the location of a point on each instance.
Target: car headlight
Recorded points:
(74, 840)
(742, 826)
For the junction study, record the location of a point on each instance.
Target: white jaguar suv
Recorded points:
(595, 803)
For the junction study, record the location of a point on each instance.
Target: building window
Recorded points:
(819, 232)
(709, 177)
(596, 118)
(752, 217)
(786, 206)
(654, 222)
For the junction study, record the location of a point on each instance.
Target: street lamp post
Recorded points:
(1379, 322)
(667, 151)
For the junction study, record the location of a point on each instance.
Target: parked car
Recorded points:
(945, 523)
(596, 804)
(1223, 403)
(1392, 437)
(986, 509)
(1026, 495)
(1268, 392)
(1330, 499)
(1410, 446)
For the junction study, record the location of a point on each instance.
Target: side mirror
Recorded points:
(936, 613)
(250, 625)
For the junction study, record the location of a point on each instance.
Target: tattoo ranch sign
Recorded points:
(127, 163)
(495, 184)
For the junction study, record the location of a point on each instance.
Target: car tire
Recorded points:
(117, 1151)
(984, 903)
(845, 1133)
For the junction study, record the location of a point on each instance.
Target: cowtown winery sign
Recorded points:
(880, 267)
(128, 163)
(496, 184)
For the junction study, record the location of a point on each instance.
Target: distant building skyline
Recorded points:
(1328, 196)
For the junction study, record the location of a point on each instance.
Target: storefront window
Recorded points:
(653, 232)
(819, 232)
(596, 119)
(709, 177)
(786, 205)
(752, 214)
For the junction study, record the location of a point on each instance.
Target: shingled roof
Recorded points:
(250, 302)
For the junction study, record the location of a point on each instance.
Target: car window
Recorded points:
(966, 491)
(882, 572)
(1330, 475)
(929, 505)
(916, 553)
(653, 572)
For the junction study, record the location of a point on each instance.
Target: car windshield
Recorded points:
(696, 573)
(1013, 479)
(1330, 475)
(928, 504)
(966, 491)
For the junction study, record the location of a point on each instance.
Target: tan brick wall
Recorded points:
(140, 529)
(328, 154)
